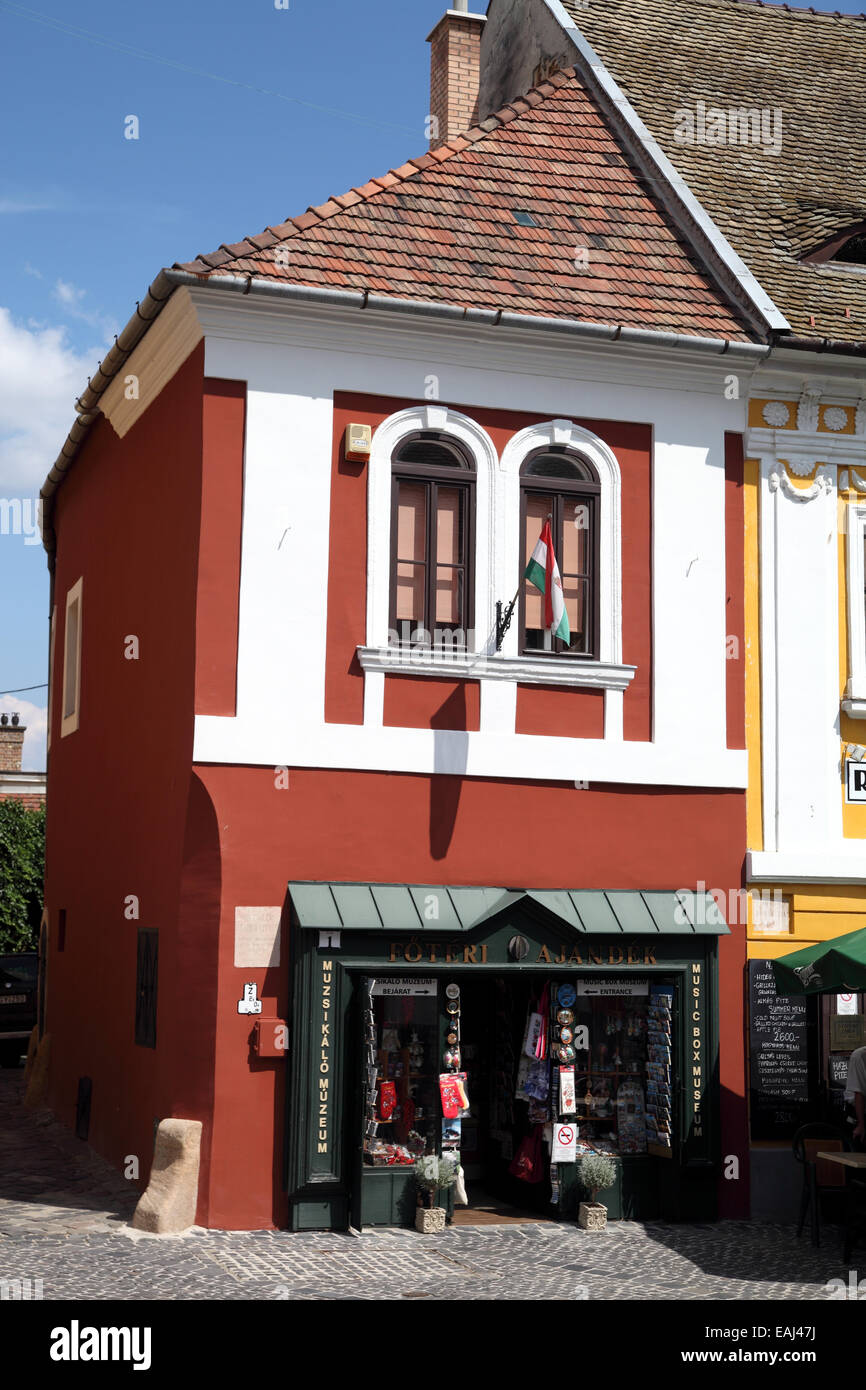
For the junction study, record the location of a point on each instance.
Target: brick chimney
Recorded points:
(11, 743)
(455, 72)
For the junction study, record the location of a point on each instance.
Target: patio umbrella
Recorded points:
(830, 967)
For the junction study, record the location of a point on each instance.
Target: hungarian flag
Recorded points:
(543, 572)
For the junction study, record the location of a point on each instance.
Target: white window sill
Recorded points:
(527, 670)
(854, 706)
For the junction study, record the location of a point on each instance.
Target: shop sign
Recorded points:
(699, 1061)
(586, 952)
(846, 1003)
(607, 989)
(847, 1032)
(403, 988)
(324, 1066)
(564, 1144)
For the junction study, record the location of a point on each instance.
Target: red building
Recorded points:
(296, 746)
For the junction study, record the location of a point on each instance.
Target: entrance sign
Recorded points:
(564, 1144)
(608, 989)
(855, 780)
(397, 988)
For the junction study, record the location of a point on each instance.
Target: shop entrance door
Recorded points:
(603, 1073)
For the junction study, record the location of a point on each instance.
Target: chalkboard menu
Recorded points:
(783, 1039)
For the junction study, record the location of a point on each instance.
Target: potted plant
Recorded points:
(433, 1175)
(597, 1172)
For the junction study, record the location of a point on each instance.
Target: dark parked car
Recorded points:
(18, 984)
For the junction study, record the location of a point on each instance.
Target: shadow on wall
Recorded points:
(450, 760)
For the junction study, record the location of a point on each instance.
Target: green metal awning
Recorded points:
(395, 907)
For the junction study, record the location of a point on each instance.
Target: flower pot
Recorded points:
(592, 1216)
(430, 1220)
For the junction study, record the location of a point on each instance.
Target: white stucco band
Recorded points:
(478, 754)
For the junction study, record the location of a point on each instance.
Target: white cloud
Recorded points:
(40, 377)
(72, 300)
(36, 721)
(68, 294)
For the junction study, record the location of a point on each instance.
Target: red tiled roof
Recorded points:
(442, 228)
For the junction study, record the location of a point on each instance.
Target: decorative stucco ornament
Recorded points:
(781, 482)
(800, 468)
(835, 418)
(860, 416)
(807, 410)
(776, 414)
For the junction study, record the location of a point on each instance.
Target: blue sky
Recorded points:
(87, 217)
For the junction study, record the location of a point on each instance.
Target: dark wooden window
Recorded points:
(432, 552)
(145, 988)
(563, 486)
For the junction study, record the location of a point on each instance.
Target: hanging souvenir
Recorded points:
(544, 1011)
(452, 991)
(565, 1016)
(451, 1132)
(452, 1088)
(567, 1102)
(537, 1083)
(534, 1032)
(387, 1100)
(566, 996)
(528, 1162)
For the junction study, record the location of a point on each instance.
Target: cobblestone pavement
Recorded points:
(63, 1215)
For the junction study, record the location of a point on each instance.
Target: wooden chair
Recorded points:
(818, 1176)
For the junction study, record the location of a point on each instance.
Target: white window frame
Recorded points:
(497, 557)
(69, 722)
(854, 703)
(386, 439)
(604, 461)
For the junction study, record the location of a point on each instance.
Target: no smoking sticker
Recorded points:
(564, 1144)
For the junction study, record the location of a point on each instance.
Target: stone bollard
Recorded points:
(36, 1094)
(168, 1206)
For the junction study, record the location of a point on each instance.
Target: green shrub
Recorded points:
(22, 869)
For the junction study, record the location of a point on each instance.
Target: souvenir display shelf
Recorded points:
(404, 1041)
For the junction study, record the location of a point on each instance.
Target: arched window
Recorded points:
(433, 492)
(560, 485)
